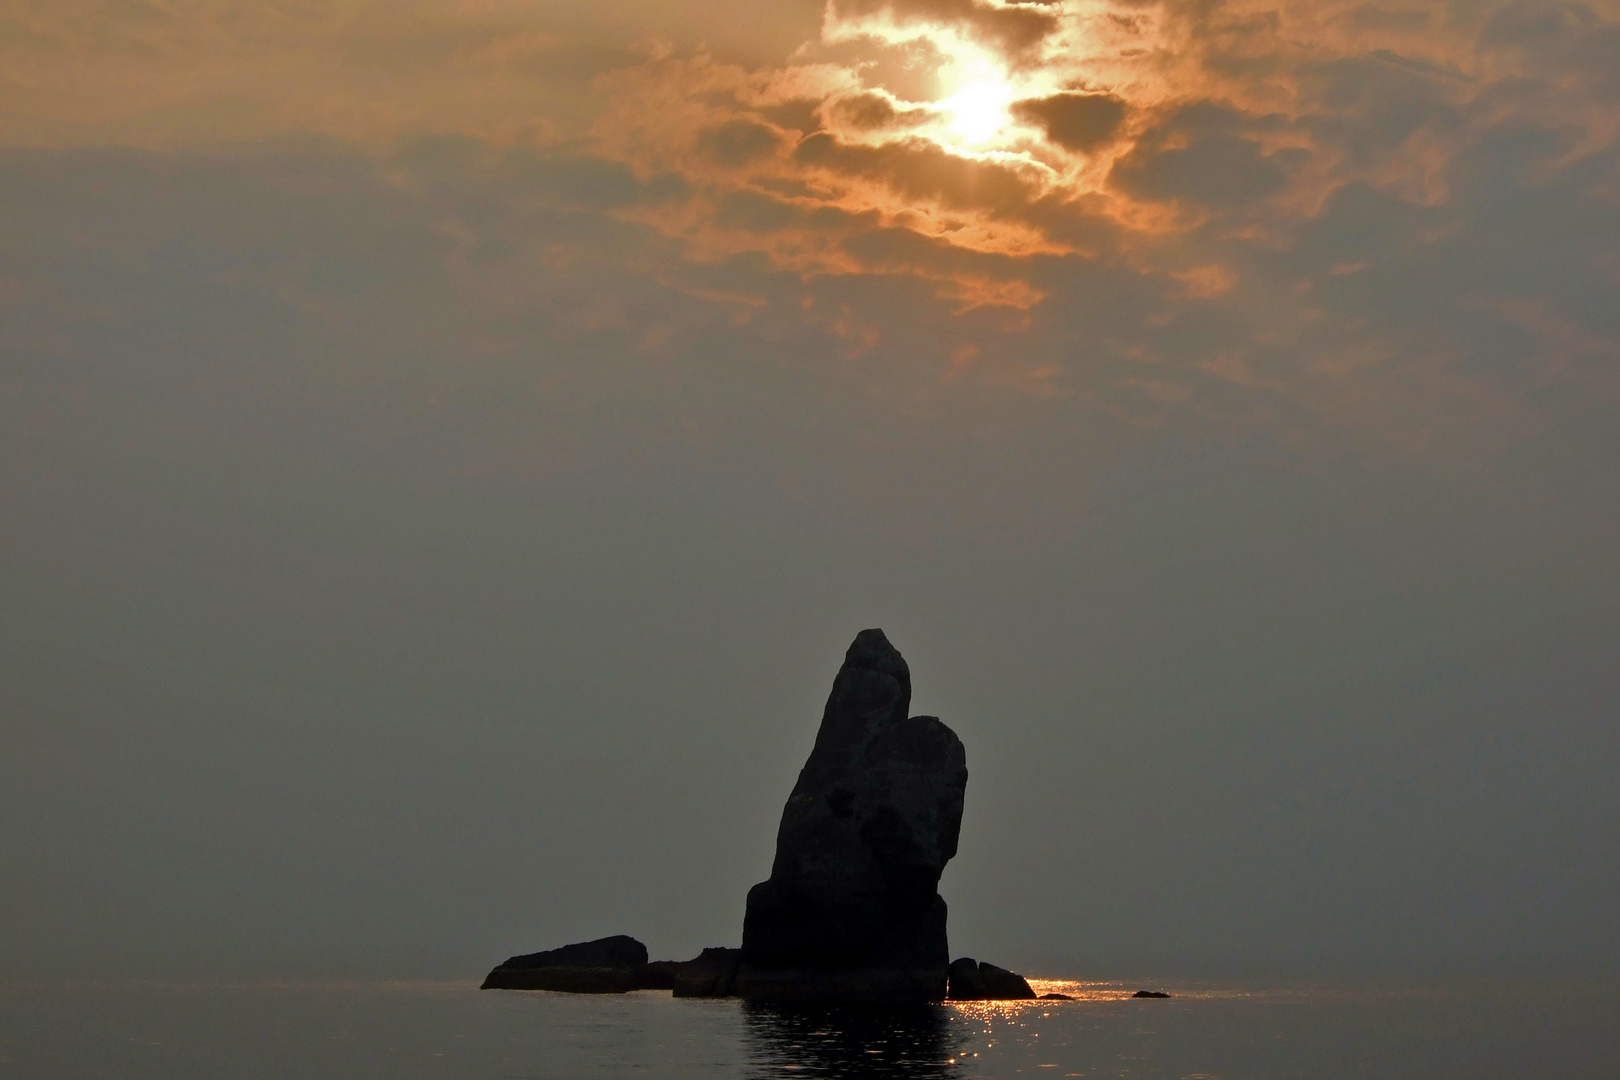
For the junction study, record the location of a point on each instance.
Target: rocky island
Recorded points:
(851, 911)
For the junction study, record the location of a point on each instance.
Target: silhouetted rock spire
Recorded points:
(852, 909)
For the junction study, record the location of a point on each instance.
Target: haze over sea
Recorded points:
(446, 447)
(452, 1031)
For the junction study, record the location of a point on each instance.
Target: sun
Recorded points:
(978, 111)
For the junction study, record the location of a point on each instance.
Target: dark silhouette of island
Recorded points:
(851, 912)
(610, 965)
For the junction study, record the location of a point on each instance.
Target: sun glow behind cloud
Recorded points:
(1043, 106)
(971, 126)
(978, 112)
(976, 147)
(1235, 167)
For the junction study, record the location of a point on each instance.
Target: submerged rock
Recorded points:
(610, 965)
(851, 910)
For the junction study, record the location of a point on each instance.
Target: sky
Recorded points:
(447, 445)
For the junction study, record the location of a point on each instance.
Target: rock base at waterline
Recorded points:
(973, 981)
(712, 973)
(610, 965)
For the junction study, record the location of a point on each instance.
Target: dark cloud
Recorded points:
(1219, 171)
(1401, 20)
(740, 142)
(871, 111)
(1075, 121)
(1568, 43)
(572, 178)
(1528, 24)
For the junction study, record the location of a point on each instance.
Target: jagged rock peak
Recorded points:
(851, 909)
(871, 693)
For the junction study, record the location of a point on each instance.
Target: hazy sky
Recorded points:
(447, 445)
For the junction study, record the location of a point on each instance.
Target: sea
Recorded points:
(453, 1031)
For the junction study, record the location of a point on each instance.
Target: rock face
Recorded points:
(852, 910)
(973, 981)
(1004, 985)
(660, 974)
(966, 983)
(610, 965)
(712, 973)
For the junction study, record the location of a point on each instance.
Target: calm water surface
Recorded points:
(428, 1031)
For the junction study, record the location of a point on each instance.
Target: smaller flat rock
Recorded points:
(620, 950)
(610, 965)
(1150, 994)
(1056, 997)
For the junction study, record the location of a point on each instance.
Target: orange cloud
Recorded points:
(1161, 118)
(1249, 193)
(1012, 30)
(1075, 121)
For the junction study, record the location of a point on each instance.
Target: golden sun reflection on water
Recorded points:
(1083, 990)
